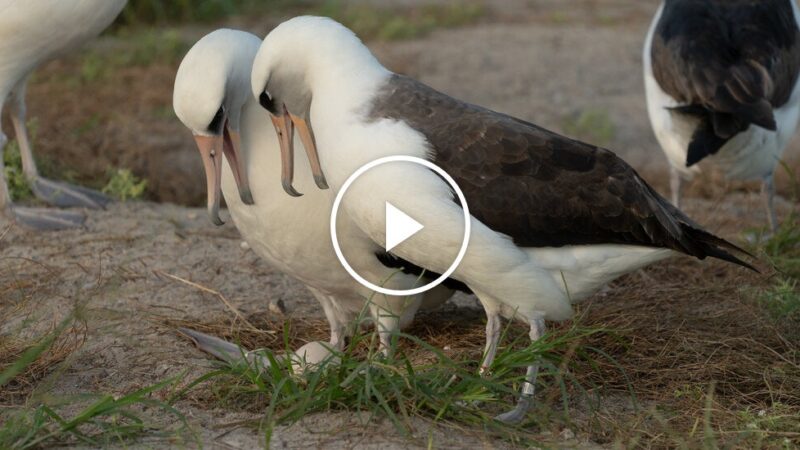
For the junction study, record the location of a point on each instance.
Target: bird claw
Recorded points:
(517, 414)
(65, 195)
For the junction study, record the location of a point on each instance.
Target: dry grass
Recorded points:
(12, 349)
(29, 351)
(700, 337)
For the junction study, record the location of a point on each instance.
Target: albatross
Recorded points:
(553, 219)
(33, 32)
(212, 98)
(721, 78)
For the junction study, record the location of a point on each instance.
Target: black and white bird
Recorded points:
(553, 219)
(242, 161)
(33, 32)
(721, 78)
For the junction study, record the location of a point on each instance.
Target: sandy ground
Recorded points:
(538, 60)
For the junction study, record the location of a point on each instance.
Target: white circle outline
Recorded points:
(464, 242)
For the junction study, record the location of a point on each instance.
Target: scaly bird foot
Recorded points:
(230, 353)
(66, 195)
(43, 219)
(517, 414)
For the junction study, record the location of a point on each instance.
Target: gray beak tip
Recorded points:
(247, 197)
(321, 182)
(291, 190)
(215, 219)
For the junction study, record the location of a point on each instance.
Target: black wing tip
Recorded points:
(704, 143)
(716, 247)
(761, 114)
(725, 256)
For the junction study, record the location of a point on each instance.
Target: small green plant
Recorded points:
(124, 185)
(18, 186)
(93, 68)
(692, 391)
(591, 125)
(782, 300)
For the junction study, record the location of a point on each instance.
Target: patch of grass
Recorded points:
(778, 418)
(150, 46)
(94, 67)
(590, 125)
(104, 420)
(370, 22)
(418, 381)
(783, 248)
(37, 423)
(22, 362)
(18, 186)
(124, 185)
(147, 12)
(782, 300)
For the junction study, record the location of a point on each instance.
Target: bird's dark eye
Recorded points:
(216, 125)
(266, 102)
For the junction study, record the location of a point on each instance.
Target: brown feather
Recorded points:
(540, 188)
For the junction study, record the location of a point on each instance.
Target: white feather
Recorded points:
(291, 234)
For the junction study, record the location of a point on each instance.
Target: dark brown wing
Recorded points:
(538, 187)
(730, 62)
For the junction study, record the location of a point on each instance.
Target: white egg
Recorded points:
(312, 355)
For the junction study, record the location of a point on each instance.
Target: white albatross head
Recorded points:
(297, 57)
(211, 88)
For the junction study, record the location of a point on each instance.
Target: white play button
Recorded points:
(399, 226)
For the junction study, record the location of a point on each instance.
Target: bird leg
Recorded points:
(768, 193)
(388, 324)
(36, 218)
(525, 400)
(493, 325)
(337, 326)
(676, 186)
(54, 193)
(5, 196)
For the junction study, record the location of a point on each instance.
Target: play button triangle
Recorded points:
(399, 226)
